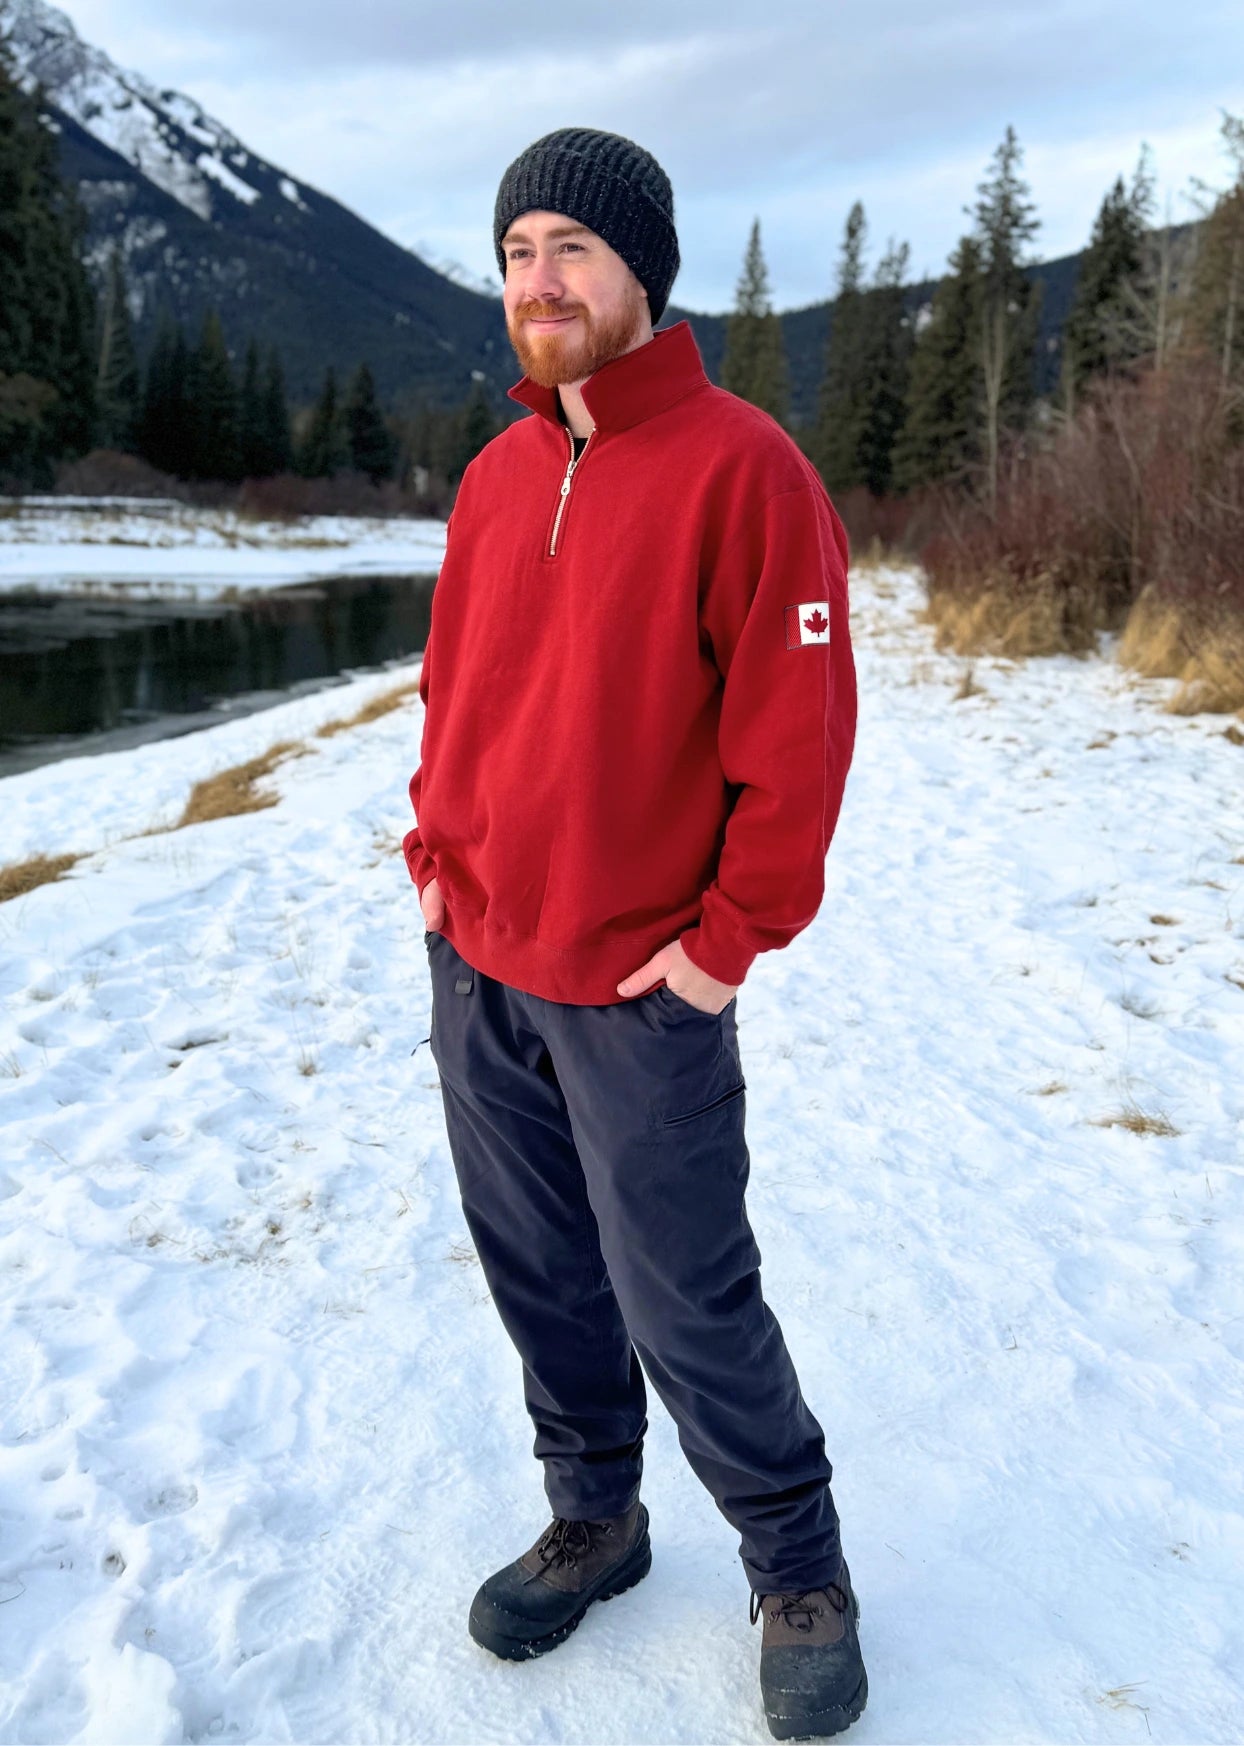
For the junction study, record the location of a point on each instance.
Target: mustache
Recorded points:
(546, 311)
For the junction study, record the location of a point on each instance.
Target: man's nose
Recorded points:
(549, 284)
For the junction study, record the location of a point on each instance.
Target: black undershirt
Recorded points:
(577, 443)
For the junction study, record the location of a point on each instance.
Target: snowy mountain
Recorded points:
(163, 134)
(201, 219)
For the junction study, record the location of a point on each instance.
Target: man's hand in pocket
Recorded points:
(433, 906)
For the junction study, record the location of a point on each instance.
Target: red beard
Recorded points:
(550, 359)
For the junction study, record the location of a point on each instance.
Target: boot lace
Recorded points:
(565, 1542)
(799, 1611)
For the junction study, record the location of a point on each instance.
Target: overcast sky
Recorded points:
(787, 111)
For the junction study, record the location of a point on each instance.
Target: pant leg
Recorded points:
(527, 1209)
(655, 1094)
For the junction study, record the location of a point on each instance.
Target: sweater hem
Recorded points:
(584, 976)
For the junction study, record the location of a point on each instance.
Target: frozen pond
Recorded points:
(82, 673)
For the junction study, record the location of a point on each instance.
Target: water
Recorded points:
(79, 674)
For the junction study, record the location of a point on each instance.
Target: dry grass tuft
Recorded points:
(994, 621)
(1154, 642)
(22, 876)
(1138, 1121)
(386, 702)
(967, 686)
(233, 791)
(875, 557)
(1161, 642)
(1217, 688)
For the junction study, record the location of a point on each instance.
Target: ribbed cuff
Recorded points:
(718, 952)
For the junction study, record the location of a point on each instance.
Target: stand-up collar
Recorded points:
(633, 387)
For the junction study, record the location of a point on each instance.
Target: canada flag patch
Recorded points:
(808, 623)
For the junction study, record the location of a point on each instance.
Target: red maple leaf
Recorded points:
(818, 624)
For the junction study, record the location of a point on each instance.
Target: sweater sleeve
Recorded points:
(418, 861)
(787, 726)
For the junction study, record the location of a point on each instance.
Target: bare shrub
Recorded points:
(287, 496)
(1128, 515)
(283, 497)
(107, 473)
(892, 524)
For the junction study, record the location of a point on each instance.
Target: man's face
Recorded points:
(571, 303)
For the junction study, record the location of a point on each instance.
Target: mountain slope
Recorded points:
(200, 219)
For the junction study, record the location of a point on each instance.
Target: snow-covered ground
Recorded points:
(185, 553)
(261, 1433)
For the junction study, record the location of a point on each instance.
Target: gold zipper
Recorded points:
(565, 490)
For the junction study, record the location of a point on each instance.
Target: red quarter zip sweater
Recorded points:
(638, 687)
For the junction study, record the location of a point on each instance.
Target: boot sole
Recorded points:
(637, 1565)
(824, 1724)
(821, 1724)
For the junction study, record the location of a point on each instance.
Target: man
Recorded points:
(640, 710)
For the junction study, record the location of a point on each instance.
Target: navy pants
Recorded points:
(601, 1160)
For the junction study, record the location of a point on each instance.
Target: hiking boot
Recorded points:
(812, 1677)
(536, 1602)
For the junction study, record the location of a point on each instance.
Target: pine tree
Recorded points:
(754, 366)
(213, 410)
(118, 389)
(324, 449)
(942, 433)
(26, 402)
(278, 450)
(372, 449)
(47, 308)
(1006, 222)
(885, 348)
(263, 417)
(842, 406)
(164, 427)
(477, 427)
(251, 457)
(433, 441)
(1098, 337)
(15, 313)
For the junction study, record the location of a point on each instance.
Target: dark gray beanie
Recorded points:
(608, 183)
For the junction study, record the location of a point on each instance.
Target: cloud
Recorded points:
(789, 112)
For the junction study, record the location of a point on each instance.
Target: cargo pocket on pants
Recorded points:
(726, 1097)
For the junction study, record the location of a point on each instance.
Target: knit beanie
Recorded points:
(608, 183)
